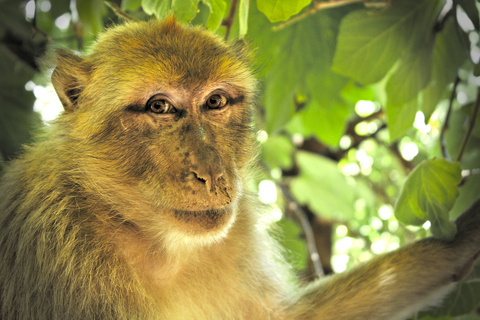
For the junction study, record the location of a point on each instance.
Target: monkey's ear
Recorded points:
(69, 77)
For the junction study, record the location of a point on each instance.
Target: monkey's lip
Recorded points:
(206, 220)
(207, 212)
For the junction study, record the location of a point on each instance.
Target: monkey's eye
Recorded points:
(216, 101)
(161, 106)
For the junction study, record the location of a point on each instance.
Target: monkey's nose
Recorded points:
(208, 177)
(207, 167)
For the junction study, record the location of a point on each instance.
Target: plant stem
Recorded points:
(116, 9)
(447, 119)
(470, 127)
(317, 7)
(307, 229)
(228, 21)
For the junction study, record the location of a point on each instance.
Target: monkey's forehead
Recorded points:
(168, 50)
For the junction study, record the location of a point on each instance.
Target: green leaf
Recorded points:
(412, 74)
(277, 152)
(454, 138)
(290, 237)
(159, 8)
(131, 4)
(468, 194)
(280, 10)
(323, 187)
(297, 126)
(443, 228)
(448, 56)
(91, 14)
(217, 10)
(400, 118)
(184, 10)
(298, 65)
(243, 16)
(354, 92)
(369, 43)
(326, 121)
(428, 194)
(326, 113)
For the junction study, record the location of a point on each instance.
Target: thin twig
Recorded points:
(307, 229)
(228, 21)
(116, 9)
(317, 7)
(443, 146)
(470, 127)
(35, 28)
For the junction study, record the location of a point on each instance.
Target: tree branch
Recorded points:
(447, 119)
(116, 9)
(470, 127)
(35, 28)
(317, 7)
(228, 21)
(307, 229)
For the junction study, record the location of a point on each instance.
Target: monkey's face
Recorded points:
(168, 110)
(191, 145)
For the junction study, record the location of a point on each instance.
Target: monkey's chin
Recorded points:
(202, 227)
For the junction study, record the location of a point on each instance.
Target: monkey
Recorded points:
(136, 203)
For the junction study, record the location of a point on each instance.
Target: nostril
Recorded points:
(198, 177)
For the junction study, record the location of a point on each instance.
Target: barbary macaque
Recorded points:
(135, 204)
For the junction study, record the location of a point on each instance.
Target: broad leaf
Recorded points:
(217, 10)
(299, 65)
(323, 187)
(369, 43)
(131, 4)
(326, 113)
(184, 10)
(277, 152)
(326, 121)
(412, 74)
(290, 237)
(354, 92)
(278, 10)
(243, 17)
(428, 194)
(448, 56)
(91, 14)
(400, 118)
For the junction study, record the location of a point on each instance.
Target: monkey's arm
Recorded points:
(394, 285)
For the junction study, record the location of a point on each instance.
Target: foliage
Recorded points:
(362, 104)
(435, 184)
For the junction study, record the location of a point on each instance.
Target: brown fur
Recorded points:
(124, 214)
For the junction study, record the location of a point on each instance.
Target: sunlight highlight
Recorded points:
(267, 191)
(46, 103)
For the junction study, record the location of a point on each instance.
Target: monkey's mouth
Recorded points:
(202, 216)
(210, 219)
